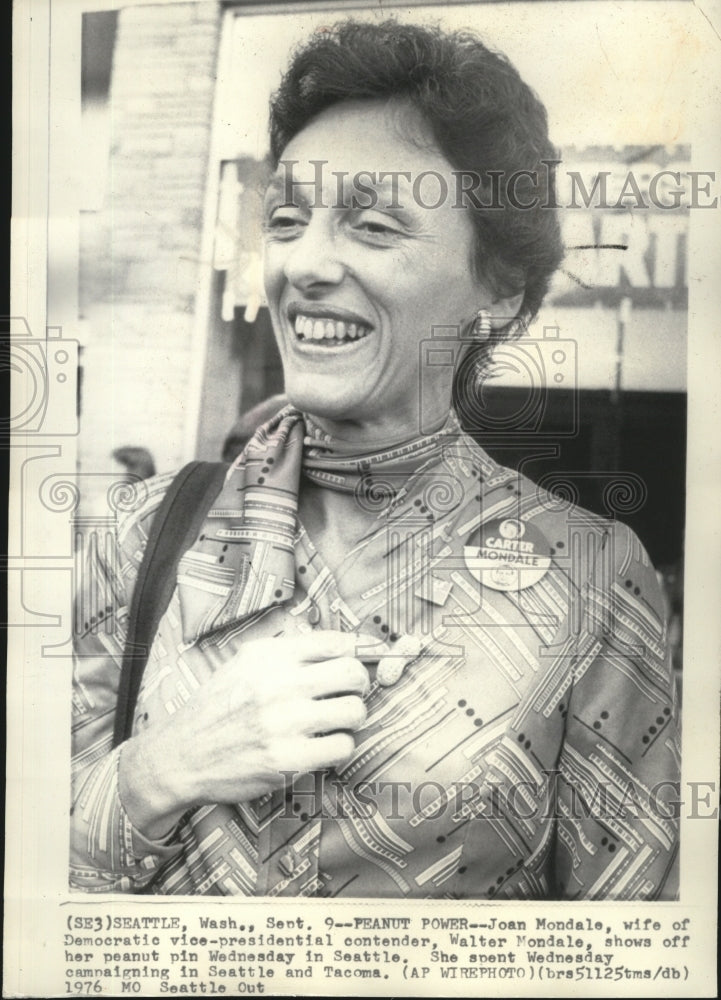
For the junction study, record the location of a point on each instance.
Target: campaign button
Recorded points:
(507, 554)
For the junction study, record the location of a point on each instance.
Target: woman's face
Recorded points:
(360, 268)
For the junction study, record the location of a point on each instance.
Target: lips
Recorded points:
(328, 330)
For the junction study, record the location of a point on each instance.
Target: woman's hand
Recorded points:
(279, 705)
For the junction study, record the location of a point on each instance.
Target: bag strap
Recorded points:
(175, 524)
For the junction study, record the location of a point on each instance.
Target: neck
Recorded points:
(334, 513)
(336, 524)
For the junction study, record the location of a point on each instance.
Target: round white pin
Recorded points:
(508, 554)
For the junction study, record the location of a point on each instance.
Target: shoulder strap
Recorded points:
(176, 521)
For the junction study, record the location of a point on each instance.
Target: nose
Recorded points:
(313, 259)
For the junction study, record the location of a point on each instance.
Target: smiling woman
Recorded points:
(389, 667)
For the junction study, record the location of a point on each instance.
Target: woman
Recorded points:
(390, 667)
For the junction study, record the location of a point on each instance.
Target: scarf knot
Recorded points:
(244, 559)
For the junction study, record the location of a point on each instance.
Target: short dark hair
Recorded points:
(482, 116)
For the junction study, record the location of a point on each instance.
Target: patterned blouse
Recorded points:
(529, 752)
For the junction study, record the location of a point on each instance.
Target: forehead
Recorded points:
(369, 135)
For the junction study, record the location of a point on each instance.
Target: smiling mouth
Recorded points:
(328, 332)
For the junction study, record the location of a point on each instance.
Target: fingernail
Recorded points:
(369, 641)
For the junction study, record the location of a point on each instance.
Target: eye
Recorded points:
(377, 227)
(284, 221)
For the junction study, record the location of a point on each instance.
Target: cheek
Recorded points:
(272, 272)
(438, 296)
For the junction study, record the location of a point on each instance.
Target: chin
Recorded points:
(307, 395)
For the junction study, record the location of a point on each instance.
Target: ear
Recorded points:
(503, 311)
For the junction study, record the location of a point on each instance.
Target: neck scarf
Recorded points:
(244, 560)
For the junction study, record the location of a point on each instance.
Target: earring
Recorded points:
(482, 325)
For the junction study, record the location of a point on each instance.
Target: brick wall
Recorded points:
(141, 264)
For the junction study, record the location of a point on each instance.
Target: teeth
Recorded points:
(308, 328)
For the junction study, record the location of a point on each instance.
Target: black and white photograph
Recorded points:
(364, 570)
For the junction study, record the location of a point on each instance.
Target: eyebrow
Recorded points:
(275, 185)
(360, 184)
(291, 191)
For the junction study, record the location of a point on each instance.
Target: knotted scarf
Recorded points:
(243, 561)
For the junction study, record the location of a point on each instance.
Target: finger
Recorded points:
(343, 675)
(332, 714)
(311, 647)
(326, 644)
(333, 750)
